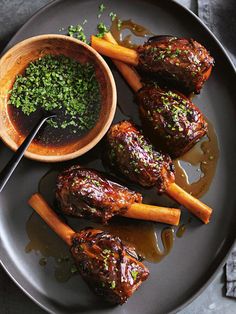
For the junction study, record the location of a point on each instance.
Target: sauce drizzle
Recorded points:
(49, 248)
(142, 236)
(135, 29)
(204, 155)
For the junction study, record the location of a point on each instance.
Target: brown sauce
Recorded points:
(47, 186)
(142, 236)
(133, 27)
(182, 228)
(49, 247)
(204, 156)
(47, 134)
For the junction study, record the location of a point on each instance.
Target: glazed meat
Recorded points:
(87, 193)
(111, 268)
(131, 154)
(183, 63)
(174, 123)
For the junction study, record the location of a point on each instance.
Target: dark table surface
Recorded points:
(12, 300)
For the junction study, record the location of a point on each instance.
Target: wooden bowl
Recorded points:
(17, 59)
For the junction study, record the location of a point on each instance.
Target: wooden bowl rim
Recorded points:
(99, 136)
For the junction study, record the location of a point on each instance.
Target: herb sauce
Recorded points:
(59, 85)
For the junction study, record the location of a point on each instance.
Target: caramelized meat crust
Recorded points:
(175, 123)
(110, 268)
(183, 63)
(133, 155)
(86, 193)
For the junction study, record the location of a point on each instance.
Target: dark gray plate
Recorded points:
(195, 257)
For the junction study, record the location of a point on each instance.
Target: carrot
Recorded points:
(114, 51)
(128, 72)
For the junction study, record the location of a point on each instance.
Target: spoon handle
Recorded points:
(7, 171)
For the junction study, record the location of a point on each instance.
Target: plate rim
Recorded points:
(229, 243)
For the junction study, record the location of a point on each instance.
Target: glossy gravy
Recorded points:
(204, 156)
(133, 27)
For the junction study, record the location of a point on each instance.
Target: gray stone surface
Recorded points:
(12, 300)
(13, 14)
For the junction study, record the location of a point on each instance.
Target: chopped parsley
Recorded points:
(101, 9)
(96, 183)
(134, 274)
(77, 31)
(73, 269)
(60, 85)
(102, 29)
(43, 261)
(119, 24)
(174, 109)
(113, 284)
(106, 252)
(112, 16)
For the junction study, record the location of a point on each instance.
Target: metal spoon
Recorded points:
(7, 171)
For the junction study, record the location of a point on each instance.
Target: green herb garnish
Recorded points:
(112, 16)
(119, 24)
(101, 9)
(60, 85)
(73, 269)
(77, 31)
(174, 109)
(134, 274)
(43, 261)
(102, 29)
(106, 252)
(113, 284)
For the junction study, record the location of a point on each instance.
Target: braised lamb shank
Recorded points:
(174, 123)
(89, 194)
(86, 193)
(183, 63)
(178, 62)
(110, 267)
(135, 157)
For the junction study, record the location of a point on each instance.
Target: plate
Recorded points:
(195, 257)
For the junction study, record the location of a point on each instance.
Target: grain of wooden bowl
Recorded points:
(14, 62)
